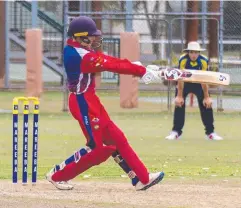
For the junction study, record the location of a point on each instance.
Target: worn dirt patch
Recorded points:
(96, 194)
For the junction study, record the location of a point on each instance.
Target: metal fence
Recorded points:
(111, 46)
(163, 28)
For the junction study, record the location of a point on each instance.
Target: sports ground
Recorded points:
(198, 173)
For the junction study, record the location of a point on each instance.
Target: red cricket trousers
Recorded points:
(103, 138)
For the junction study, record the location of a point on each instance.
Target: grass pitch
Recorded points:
(199, 173)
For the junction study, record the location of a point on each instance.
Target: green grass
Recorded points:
(192, 157)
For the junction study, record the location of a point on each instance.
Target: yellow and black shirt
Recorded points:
(200, 64)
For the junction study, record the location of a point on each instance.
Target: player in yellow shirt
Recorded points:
(193, 59)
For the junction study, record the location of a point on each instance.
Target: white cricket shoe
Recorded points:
(173, 135)
(214, 136)
(154, 178)
(61, 185)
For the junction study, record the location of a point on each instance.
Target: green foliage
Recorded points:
(213, 67)
(160, 62)
(164, 62)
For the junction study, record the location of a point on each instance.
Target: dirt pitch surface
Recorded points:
(98, 194)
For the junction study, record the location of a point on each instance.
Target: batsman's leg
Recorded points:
(82, 160)
(125, 167)
(132, 163)
(76, 164)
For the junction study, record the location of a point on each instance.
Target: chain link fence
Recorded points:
(232, 43)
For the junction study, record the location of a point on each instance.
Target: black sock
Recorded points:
(122, 163)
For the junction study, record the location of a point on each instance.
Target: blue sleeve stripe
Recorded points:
(72, 62)
(84, 109)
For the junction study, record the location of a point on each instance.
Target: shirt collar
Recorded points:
(75, 44)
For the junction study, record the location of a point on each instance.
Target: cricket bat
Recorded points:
(196, 76)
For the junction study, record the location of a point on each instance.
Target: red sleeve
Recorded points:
(98, 62)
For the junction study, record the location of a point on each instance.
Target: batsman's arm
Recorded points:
(98, 62)
(205, 86)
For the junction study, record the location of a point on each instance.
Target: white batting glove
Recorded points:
(152, 74)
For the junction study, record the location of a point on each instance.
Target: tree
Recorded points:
(115, 6)
(192, 25)
(153, 20)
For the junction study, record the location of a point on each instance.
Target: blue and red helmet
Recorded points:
(83, 26)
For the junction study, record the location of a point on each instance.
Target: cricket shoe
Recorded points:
(173, 136)
(214, 136)
(61, 185)
(154, 178)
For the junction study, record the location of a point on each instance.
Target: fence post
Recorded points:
(204, 22)
(182, 24)
(170, 57)
(65, 23)
(34, 14)
(129, 39)
(3, 37)
(129, 8)
(128, 84)
(7, 48)
(4, 40)
(220, 44)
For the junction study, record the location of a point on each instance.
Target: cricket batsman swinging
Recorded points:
(104, 138)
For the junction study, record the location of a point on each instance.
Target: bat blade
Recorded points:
(197, 76)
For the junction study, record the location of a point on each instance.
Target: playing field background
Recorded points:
(192, 157)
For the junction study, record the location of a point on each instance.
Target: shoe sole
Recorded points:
(67, 189)
(156, 181)
(179, 137)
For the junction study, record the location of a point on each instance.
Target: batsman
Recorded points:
(104, 138)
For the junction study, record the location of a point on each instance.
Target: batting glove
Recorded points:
(152, 74)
